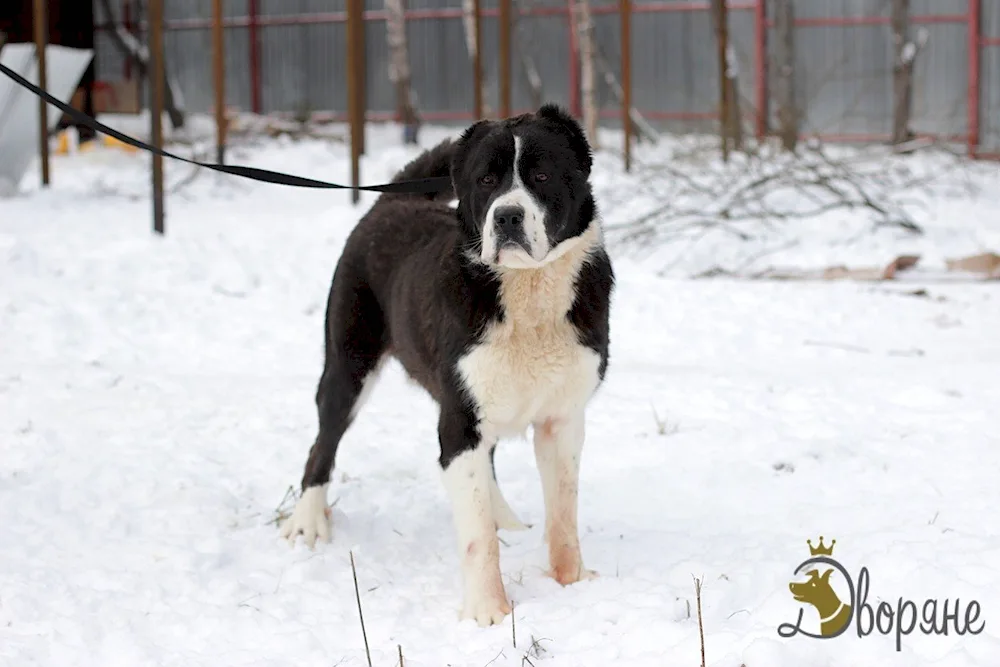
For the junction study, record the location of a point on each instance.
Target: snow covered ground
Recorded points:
(156, 403)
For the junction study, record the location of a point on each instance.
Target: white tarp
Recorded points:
(19, 107)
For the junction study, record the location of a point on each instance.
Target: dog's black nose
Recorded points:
(508, 217)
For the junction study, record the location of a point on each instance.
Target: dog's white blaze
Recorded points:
(531, 366)
(468, 482)
(534, 218)
(308, 518)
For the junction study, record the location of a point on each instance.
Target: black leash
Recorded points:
(417, 186)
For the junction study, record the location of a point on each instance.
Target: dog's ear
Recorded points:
(825, 577)
(464, 146)
(569, 128)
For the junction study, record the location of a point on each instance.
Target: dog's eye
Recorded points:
(541, 177)
(488, 179)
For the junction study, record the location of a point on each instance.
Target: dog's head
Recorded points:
(523, 193)
(817, 591)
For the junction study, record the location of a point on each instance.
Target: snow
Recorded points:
(156, 403)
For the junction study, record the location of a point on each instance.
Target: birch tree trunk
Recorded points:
(399, 69)
(468, 21)
(584, 26)
(902, 70)
(521, 46)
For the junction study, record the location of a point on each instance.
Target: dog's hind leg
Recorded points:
(502, 513)
(354, 353)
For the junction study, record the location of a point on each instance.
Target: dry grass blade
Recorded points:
(284, 508)
(513, 625)
(701, 625)
(357, 594)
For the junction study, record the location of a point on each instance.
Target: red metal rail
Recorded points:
(846, 21)
(425, 14)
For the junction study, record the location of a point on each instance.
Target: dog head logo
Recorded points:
(838, 611)
(818, 593)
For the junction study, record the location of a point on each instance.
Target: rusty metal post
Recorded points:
(975, 37)
(784, 69)
(573, 73)
(760, 69)
(720, 14)
(361, 65)
(219, 74)
(254, 56)
(156, 92)
(41, 40)
(505, 28)
(625, 12)
(477, 58)
(354, 73)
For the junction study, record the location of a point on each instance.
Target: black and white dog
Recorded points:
(498, 309)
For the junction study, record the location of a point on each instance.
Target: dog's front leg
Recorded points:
(558, 445)
(465, 460)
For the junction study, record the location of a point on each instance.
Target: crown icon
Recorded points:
(820, 549)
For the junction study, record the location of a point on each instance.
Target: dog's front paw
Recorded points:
(486, 609)
(310, 519)
(571, 575)
(567, 566)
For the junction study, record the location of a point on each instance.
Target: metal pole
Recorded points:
(41, 40)
(975, 37)
(362, 65)
(156, 84)
(760, 55)
(575, 108)
(354, 26)
(505, 26)
(219, 72)
(625, 11)
(477, 59)
(720, 12)
(255, 104)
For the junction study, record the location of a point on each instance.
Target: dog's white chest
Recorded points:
(522, 376)
(531, 366)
